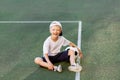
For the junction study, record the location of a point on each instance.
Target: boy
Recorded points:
(52, 53)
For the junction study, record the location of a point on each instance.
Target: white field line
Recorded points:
(77, 76)
(37, 21)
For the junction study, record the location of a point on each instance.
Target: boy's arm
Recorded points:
(50, 65)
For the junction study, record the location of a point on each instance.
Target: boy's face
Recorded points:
(55, 31)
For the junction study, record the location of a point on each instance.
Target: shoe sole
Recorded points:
(75, 70)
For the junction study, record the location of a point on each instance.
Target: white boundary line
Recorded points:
(36, 22)
(77, 76)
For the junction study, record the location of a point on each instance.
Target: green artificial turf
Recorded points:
(21, 43)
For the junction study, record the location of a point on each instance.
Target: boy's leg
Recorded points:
(72, 57)
(73, 67)
(39, 61)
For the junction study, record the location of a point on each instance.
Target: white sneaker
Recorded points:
(58, 68)
(75, 68)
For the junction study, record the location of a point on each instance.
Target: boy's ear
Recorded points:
(61, 34)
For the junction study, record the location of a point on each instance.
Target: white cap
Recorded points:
(55, 23)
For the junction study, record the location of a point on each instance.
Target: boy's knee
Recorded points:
(37, 60)
(70, 52)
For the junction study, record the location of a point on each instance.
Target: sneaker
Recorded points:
(58, 68)
(75, 68)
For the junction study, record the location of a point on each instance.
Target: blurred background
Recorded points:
(21, 43)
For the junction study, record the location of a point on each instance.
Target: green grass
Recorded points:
(21, 43)
(101, 61)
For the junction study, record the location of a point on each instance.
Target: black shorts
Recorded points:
(60, 57)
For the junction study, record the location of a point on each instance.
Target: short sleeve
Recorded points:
(46, 47)
(66, 42)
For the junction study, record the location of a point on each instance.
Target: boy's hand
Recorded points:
(80, 53)
(50, 66)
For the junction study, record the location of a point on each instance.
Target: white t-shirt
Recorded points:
(52, 48)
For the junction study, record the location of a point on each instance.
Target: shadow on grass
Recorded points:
(44, 74)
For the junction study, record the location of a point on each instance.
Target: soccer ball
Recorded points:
(74, 49)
